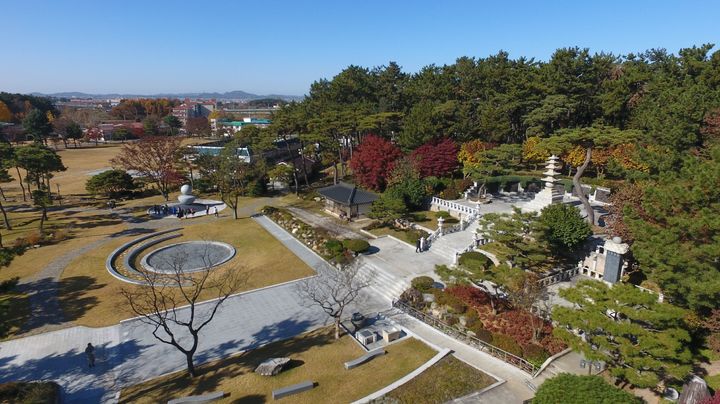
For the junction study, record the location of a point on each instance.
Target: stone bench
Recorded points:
(205, 398)
(294, 389)
(359, 361)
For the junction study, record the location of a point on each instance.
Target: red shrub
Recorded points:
(436, 158)
(373, 160)
(473, 297)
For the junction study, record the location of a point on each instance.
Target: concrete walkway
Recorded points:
(324, 222)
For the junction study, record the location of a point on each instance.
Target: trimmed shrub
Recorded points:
(356, 245)
(474, 261)
(481, 333)
(472, 318)
(442, 214)
(418, 217)
(452, 320)
(458, 307)
(334, 246)
(33, 238)
(506, 343)
(535, 354)
(268, 210)
(423, 283)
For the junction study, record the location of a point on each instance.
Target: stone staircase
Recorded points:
(449, 244)
(383, 283)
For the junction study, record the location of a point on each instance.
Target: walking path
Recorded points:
(42, 288)
(323, 222)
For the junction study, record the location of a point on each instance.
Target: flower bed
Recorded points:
(513, 330)
(320, 241)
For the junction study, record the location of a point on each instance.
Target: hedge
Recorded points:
(475, 261)
(356, 245)
(507, 344)
(423, 284)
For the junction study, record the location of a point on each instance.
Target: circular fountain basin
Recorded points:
(188, 257)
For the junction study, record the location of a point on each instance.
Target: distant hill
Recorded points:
(230, 95)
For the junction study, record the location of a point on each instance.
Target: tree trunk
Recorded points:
(290, 156)
(304, 166)
(578, 187)
(20, 180)
(5, 217)
(340, 157)
(190, 364)
(234, 208)
(2, 194)
(335, 173)
(43, 217)
(337, 328)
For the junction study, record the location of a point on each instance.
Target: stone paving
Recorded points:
(324, 222)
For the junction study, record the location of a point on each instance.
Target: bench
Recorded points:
(294, 389)
(359, 361)
(205, 398)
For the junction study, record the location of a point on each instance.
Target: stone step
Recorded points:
(383, 283)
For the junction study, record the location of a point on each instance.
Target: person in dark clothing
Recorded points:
(417, 246)
(90, 353)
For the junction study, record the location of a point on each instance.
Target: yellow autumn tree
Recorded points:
(532, 153)
(470, 155)
(5, 113)
(574, 157)
(626, 156)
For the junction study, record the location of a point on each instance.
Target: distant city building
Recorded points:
(227, 126)
(193, 109)
(108, 128)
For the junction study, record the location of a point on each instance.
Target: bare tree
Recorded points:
(334, 289)
(155, 158)
(170, 302)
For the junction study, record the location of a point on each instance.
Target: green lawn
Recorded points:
(446, 380)
(713, 382)
(406, 236)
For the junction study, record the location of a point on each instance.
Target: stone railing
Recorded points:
(450, 205)
(558, 277)
(466, 338)
(434, 235)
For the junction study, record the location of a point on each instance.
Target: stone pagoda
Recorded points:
(549, 194)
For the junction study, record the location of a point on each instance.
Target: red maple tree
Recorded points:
(436, 158)
(373, 160)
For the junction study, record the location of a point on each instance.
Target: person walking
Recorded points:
(417, 246)
(90, 353)
(422, 244)
(215, 209)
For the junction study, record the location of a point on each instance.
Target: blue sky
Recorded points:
(269, 46)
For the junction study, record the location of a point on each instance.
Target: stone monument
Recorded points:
(548, 195)
(186, 197)
(615, 251)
